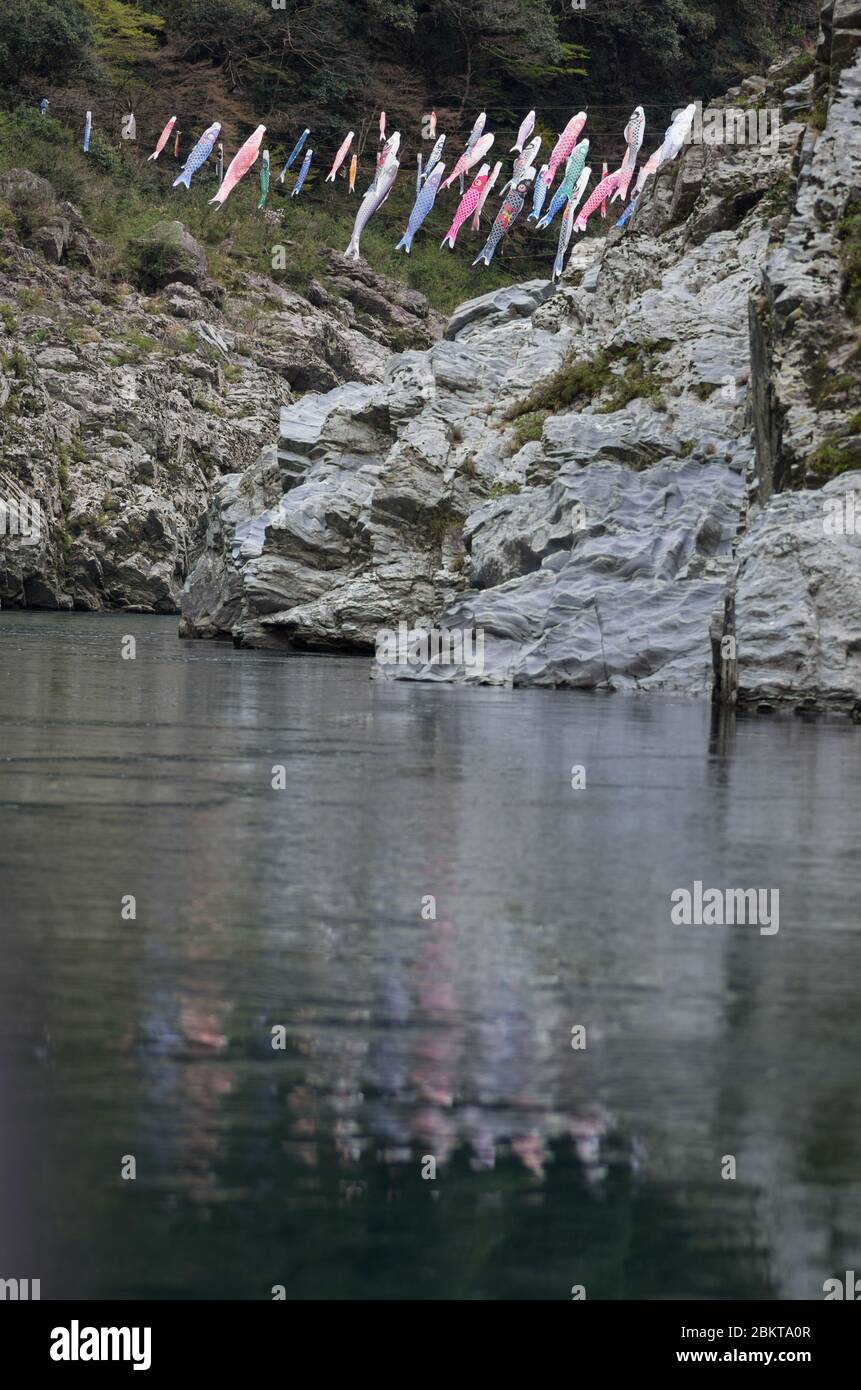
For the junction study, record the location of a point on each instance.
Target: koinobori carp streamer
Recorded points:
(294, 153)
(339, 157)
(264, 181)
(573, 170)
(539, 193)
(466, 207)
(476, 218)
(567, 225)
(303, 174)
(199, 155)
(506, 217)
(523, 162)
(565, 144)
(468, 158)
(239, 165)
(421, 207)
(634, 131)
(598, 198)
(372, 201)
(162, 139)
(527, 126)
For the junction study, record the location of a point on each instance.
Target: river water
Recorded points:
(413, 1040)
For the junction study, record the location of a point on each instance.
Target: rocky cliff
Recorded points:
(597, 479)
(122, 405)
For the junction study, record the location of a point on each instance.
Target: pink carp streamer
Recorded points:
(565, 144)
(598, 199)
(162, 139)
(476, 221)
(339, 158)
(468, 158)
(468, 204)
(239, 165)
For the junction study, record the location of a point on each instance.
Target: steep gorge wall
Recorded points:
(121, 409)
(593, 540)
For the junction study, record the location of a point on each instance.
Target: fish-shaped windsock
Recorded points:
(603, 177)
(176, 141)
(675, 136)
(466, 207)
(506, 217)
(476, 132)
(382, 125)
(199, 155)
(539, 193)
(633, 138)
(162, 139)
(468, 158)
(651, 166)
(354, 164)
(629, 211)
(567, 225)
(418, 173)
(373, 199)
(264, 181)
(432, 126)
(339, 157)
(573, 169)
(88, 129)
(303, 174)
(476, 217)
(239, 165)
(43, 106)
(527, 126)
(435, 156)
(677, 133)
(597, 198)
(422, 206)
(474, 137)
(387, 153)
(565, 144)
(524, 161)
(294, 154)
(219, 162)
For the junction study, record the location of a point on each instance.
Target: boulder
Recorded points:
(168, 253)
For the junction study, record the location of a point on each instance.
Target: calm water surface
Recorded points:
(404, 1037)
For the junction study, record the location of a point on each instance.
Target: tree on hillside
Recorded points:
(497, 38)
(123, 32)
(230, 33)
(703, 45)
(41, 39)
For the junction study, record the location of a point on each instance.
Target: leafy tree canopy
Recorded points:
(123, 32)
(41, 38)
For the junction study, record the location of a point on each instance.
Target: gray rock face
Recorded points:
(122, 413)
(804, 334)
(514, 301)
(601, 561)
(798, 600)
(605, 579)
